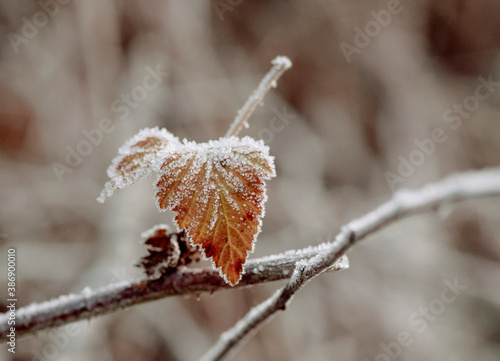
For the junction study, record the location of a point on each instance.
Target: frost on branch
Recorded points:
(217, 191)
(135, 159)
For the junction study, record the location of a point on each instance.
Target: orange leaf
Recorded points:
(136, 159)
(217, 191)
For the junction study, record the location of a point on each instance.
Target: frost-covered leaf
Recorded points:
(217, 191)
(136, 159)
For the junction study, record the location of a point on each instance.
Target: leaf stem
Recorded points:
(280, 65)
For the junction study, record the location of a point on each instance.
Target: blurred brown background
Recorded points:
(411, 72)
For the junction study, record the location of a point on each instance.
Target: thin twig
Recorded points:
(182, 281)
(280, 65)
(403, 203)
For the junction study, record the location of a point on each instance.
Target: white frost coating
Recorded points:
(293, 256)
(87, 292)
(282, 61)
(143, 163)
(280, 65)
(225, 155)
(341, 264)
(66, 302)
(212, 175)
(152, 231)
(197, 180)
(160, 133)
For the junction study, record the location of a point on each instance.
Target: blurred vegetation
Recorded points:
(352, 120)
